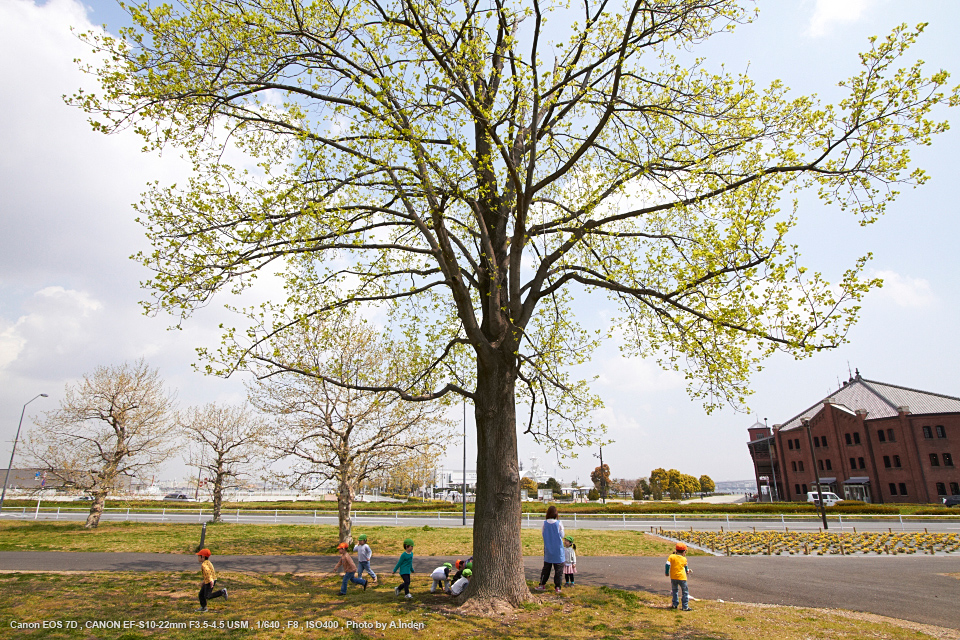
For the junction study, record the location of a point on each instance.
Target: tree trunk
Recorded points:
(497, 552)
(344, 505)
(96, 510)
(217, 495)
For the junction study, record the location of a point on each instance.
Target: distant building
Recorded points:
(869, 441)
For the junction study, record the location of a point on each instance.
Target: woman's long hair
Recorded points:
(551, 513)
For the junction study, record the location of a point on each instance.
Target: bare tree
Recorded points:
(117, 423)
(227, 441)
(329, 432)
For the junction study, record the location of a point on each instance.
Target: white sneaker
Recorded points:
(409, 595)
(396, 591)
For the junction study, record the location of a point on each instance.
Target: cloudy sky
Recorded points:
(69, 293)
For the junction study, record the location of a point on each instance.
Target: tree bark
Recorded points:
(344, 505)
(497, 552)
(96, 510)
(217, 494)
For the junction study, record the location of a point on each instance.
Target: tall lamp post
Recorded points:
(773, 471)
(816, 473)
(13, 452)
(464, 462)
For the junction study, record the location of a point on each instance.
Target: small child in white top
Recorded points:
(441, 577)
(569, 561)
(364, 553)
(461, 584)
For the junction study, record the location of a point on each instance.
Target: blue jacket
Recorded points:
(404, 564)
(553, 542)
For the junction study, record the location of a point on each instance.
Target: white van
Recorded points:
(829, 499)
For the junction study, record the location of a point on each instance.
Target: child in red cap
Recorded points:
(677, 570)
(209, 579)
(349, 569)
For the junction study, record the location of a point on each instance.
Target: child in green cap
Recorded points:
(364, 553)
(441, 577)
(405, 567)
(569, 561)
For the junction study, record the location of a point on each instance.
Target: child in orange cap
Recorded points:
(349, 569)
(209, 579)
(677, 570)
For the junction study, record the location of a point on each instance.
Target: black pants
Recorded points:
(557, 571)
(207, 593)
(405, 585)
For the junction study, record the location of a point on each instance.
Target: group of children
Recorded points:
(556, 557)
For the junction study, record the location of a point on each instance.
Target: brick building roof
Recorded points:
(880, 400)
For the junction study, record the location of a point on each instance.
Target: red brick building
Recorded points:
(869, 441)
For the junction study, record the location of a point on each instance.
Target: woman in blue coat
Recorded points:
(553, 556)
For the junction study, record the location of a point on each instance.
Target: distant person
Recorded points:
(569, 561)
(349, 569)
(364, 553)
(461, 584)
(209, 577)
(677, 570)
(441, 577)
(553, 555)
(405, 567)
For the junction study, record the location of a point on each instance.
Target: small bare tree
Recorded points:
(226, 441)
(116, 423)
(330, 430)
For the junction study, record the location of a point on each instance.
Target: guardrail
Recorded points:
(672, 521)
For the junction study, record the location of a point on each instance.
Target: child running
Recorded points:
(569, 561)
(364, 553)
(209, 579)
(678, 571)
(405, 567)
(349, 569)
(441, 577)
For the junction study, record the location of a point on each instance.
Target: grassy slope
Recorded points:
(243, 539)
(579, 614)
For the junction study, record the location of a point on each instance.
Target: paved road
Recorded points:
(448, 519)
(908, 587)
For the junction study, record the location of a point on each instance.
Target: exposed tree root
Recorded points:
(488, 607)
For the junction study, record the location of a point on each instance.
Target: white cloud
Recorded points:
(907, 292)
(828, 14)
(636, 374)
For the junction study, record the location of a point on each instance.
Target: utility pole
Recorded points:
(773, 471)
(816, 473)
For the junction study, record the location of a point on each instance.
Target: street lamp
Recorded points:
(464, 462)
(14, 451)
(816, 473)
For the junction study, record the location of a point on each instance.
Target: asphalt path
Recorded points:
(912, 588)
(447, 519)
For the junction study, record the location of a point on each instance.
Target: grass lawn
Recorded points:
(273, 606)
(248, 539)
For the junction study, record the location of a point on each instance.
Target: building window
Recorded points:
(886, 461)
(829, 466)
(955, 488)
(934, 462)
(800, 466)
(856, 437)
(804, 489)
(941, 433)
(941, 489)
(893, 489)
(896, 461)
(862, 464)
(890, 435)
(796, 443)
(816, 441)
(793, 463)
(947, 460)
(797, 487)
(927, 432)
(820, 464)
(790, 444)
(881, 436)
(847, 438)
(903, 489)
(853, 463)
(823, 442)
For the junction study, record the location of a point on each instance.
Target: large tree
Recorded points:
(473, 171)
(329, 429)
(115, 425)
(227, 442)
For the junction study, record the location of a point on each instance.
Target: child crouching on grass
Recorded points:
(441, 577)
(461, 584)
(349, 569)
(209, 580)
